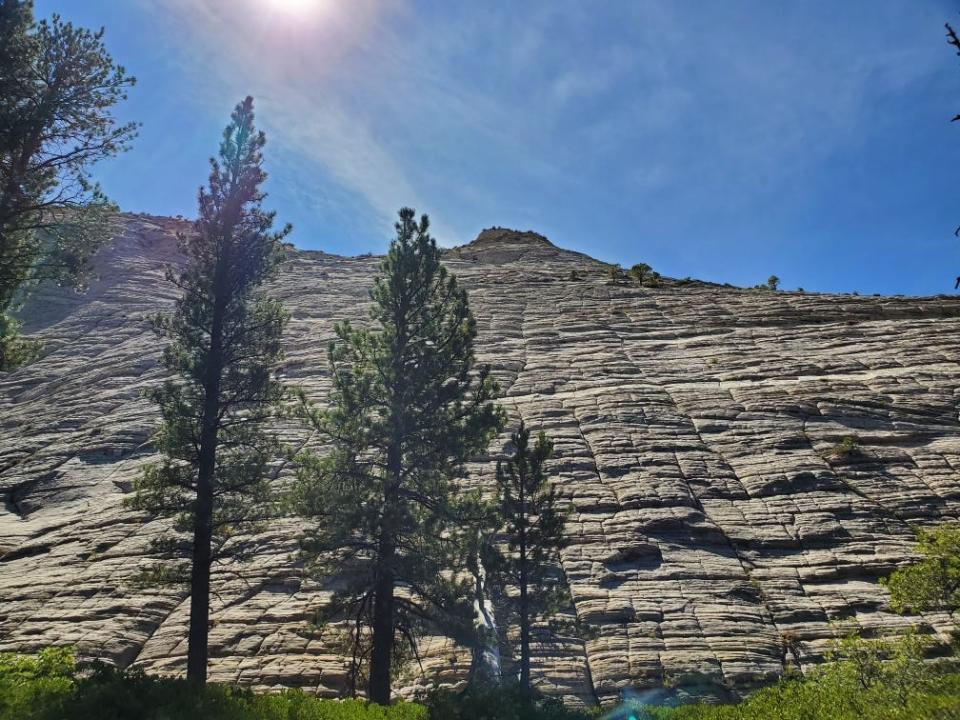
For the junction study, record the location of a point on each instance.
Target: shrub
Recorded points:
(879, 679)
(864, 680)
(616, 274)
(35, 686)
(48, 687)
(500, 702)
(846, 449)
(640, 271)
(644, 274)
(933, 583)
(772, 283)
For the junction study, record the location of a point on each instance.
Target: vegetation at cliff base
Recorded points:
(864, 679)
(50, 686)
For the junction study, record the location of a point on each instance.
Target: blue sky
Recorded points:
(720, 140)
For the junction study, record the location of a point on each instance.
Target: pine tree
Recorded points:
(640, 272)
(225, 344)
(615, 273)
(933, 582)
(407, 408)
(58, 86)
(525, 577)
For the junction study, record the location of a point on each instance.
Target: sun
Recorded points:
(295, 7)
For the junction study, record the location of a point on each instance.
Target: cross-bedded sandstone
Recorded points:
(716, 531)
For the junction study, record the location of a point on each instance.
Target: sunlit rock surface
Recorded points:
(715, 533)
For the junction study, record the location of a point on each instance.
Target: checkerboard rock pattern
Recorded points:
(716, 532)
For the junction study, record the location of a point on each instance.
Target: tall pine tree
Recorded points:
(408, 407)
(225, 344)
(524, 574)
(58, 86)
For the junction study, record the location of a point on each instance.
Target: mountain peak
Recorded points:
(498, 245)
(506, 236)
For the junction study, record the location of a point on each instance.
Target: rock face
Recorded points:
(717, 528)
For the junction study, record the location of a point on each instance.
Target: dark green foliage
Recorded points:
(58, 86)
(616, 274)
(224, 348)
(640, 271)
(644, 274)
(35, 686)
(500, 702)
(49, 687)
(933, 583)
(15, 350)
(772, 284)
(847, 449)
(866, 680)
(408, 406)
(528, 585)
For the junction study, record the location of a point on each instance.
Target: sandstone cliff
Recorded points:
(715, 532)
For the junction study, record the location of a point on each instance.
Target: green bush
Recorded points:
(863, 680)
(500, 702)
(933, 583)
(616, 274)
(35, 686)
(48, 687)
(847, 448)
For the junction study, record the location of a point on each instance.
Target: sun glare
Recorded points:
(295, 7)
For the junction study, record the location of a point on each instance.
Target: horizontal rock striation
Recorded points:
(718, 525)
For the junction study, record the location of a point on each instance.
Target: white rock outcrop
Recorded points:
(715, 533)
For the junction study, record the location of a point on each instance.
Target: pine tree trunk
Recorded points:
(524, 604)
(200, 569)
(197, 641)
(380, 655)
(524, 644)
(382, 651)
